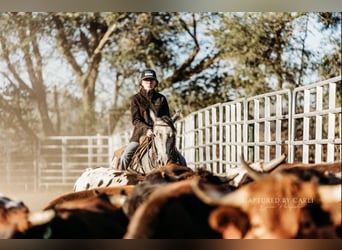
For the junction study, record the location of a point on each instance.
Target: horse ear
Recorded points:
(176, 116)
(152, 115)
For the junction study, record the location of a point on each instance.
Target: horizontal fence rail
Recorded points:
(304, 124)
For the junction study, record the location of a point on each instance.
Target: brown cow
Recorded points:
(164, 206)
(171, 211)
(281, 205)
(124, 190)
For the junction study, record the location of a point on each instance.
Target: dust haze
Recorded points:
(34, 200)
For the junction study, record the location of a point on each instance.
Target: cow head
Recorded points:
(13, 217)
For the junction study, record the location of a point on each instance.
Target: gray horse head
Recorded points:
(164, 133)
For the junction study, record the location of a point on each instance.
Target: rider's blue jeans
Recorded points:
(127, 155)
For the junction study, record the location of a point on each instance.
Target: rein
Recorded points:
(145, 145)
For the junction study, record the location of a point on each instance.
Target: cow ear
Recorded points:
(152, 115)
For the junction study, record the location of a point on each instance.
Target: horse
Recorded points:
(160, 148)
(153, 152)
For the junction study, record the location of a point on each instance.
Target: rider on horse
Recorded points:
(142, 102)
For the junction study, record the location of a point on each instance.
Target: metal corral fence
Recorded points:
(18, 168)
(257, 127)
(54, 162)
(304, 123)
(63, 159)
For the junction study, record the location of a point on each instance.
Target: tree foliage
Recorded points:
(73, 73)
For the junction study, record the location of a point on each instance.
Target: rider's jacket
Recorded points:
(141, 102)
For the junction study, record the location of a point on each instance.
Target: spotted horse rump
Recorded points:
(106, 177)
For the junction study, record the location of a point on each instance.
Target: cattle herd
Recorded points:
(282, 201)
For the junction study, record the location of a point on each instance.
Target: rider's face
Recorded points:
(148, 84)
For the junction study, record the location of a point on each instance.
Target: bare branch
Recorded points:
(184, 71)
(182, 75)
(38, 57)
(27, 57)
(16, 112)
(94, 59)
(65, 46)
(5, 55)
(196, 48)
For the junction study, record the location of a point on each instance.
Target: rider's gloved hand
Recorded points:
(149, 132)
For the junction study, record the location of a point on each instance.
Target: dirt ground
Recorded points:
(35, 201)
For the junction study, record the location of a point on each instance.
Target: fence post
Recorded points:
(99, 151)
(35, 165)
(278, 129)
(331, 123)
(319, 124)
(292, 113)
(267, 128)
(200, 137)
(306, 126)
(189, 153)
(90, 152)
(239, 129)
(247, 133)
(256, 129)
(8, 161)
(64, 158)
(220, 144)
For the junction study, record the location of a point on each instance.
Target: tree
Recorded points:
(200, 59)
(253, 44)
(171, 44)
(268, 51)
(331, 64)
(23, 91)
(85, 35)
